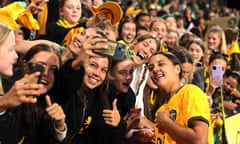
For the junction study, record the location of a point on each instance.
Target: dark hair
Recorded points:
(122, 23)
(233, 74)
(39, 48)
(183, 55)
(148, 36)
(138, 16)
(34, 113)
(217, 56)
(185, 38)
(102, 91)
(231, 35)
(141, 28)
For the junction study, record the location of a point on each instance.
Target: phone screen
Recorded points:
(217, 75)
(35, 67)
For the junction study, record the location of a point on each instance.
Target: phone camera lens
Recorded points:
(214, 67)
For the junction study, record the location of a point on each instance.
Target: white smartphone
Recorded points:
(217, 75)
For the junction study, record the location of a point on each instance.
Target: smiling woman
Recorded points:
(26, 105)
(8, 55)
(193, 120)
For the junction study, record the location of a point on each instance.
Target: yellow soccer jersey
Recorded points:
(188, 103)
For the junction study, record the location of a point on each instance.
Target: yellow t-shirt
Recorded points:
(188, 103)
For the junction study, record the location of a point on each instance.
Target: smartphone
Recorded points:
(35, 67)
(217, 75)
(114, 49)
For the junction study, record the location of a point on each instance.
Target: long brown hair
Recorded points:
(102, 91)
(35, 113)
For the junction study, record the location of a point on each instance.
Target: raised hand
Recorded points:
(23, 91)
(55, 111)
(87, 49)
(161, 119)
(112, 117)
(36, 6)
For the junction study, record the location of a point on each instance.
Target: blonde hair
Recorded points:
(4, 32)
(158, 19)
(220, 32)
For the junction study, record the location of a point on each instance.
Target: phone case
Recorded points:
(217, 75)
(119, 51)
(34, 67)
(114, 49)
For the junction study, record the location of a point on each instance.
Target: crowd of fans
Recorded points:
(109, 72)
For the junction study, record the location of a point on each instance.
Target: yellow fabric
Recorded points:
(123, 42)
(71, 34)
(164, 47)
(26, 19)
(13, 13)
(112, 10)
(64, 23)
(42, 19)
(131, 10)
(189, 102)
(233, 49)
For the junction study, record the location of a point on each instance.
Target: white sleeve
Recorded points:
(60, 135)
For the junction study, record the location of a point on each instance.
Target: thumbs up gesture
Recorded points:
(112, 117)
(55, 111)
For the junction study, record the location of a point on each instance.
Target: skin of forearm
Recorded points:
(210, 90)
(2, 104)
(185, 134)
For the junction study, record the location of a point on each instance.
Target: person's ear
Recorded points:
(178, 69)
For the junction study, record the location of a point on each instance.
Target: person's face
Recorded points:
(172, 38)
(96, 69)
(144, 21)
(160, 30)
(128, 32)
(229, 84)
(122, 75)
(171, 22)
(196, 51)
(180, 23)
(76, 45)
(71, 11)
(162, 71)
(187, 71)
(51, 63)
(220, 62)
(144, 50)
(8, 55)
(214, 41)
(19, 35)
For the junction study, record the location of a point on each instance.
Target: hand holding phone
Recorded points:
(217, 75)
(35, 67)
(114, 49)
